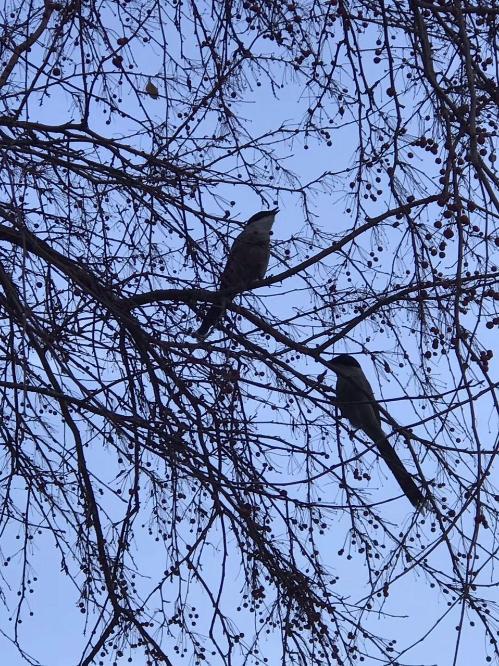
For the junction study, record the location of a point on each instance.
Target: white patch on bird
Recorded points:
(263, 225)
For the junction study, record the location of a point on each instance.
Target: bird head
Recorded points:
(262, 221)
(344, 361)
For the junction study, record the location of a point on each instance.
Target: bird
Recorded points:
(247, 263)
(357, 403)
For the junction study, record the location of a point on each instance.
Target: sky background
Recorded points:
(54, 632)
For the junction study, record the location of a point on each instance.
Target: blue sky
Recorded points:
(54, 632)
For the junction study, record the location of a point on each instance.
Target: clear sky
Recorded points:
(53, 634)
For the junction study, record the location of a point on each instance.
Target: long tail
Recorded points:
(402, 476)
(209, 320)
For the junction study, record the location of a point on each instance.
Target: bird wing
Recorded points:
(247, 262)
(362, 411)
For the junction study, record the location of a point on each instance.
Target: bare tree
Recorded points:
(205, 500)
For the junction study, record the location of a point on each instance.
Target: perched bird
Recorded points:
(357, 403)
(247, 263)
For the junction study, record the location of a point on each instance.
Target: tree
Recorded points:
(205, 500)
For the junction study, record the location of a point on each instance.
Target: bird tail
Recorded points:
(402, 476)
(209, 320)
